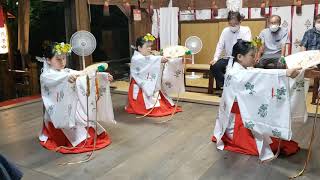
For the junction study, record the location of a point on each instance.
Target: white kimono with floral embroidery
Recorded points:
(65, 103)
(268, 100)
(152, 77)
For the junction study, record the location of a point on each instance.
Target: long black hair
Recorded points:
(241, 47)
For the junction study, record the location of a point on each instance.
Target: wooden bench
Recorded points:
(202, 68)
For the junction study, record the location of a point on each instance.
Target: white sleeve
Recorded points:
(262, 36)
(253, 71)
(220, 46)
(247, 36)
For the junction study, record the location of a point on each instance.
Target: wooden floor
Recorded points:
(146, 149)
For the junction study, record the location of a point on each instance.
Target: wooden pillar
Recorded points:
(23, 29)
(10, 40)
(141, 28)
(70, 19)
(83, 21)
(34, 79)
(6, 83)
(127, 13)
(131, 40)
(71, 27)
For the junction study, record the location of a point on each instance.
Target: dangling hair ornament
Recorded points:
(133, 47)
(44, 61)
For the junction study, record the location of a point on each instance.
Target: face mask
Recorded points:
(317, 27)
(234, 28)
(274, 28)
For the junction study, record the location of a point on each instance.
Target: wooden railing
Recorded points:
(17, 83)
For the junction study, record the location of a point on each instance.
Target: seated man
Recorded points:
(274, 41)
(228, 38)
(311, 38)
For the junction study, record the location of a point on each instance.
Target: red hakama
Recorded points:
(138, 106)
(56, 138)
(243, 141)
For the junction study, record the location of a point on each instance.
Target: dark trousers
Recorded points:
(218, 70)
(270, 62)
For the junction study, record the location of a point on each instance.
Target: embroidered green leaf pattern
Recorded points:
(82, 91)
(250, 87)
(280, 93)
(249, 125)
(50, 109)
(73, 87)
(46, 89)
(224, 105)
(227, 81)
(168, 84)
(138, 70)
(102, 91)
(153, 76)
(177, 73)
(299, 85)
(69, 109)
(60, 96)
(93, 105)
(263, 110)
(276, 133)
(222, 130)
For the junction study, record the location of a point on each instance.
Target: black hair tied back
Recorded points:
(47, 49)
(140, 41)
(241, 47)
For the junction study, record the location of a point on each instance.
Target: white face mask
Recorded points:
(234, 28)
(317, 26)
(274, 28)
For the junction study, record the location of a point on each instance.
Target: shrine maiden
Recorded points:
(71, 107)
(152, 79)
(258, 106)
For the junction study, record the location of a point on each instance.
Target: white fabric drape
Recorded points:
(169, 34)
(173, 77)
(203, 14)
(234, 5)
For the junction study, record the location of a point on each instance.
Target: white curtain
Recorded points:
(169, 26)
(203, 14)
(302, 23)
(234, 5)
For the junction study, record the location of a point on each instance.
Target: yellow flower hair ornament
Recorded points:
(256, 42)
(149, 37)
(62, 48)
